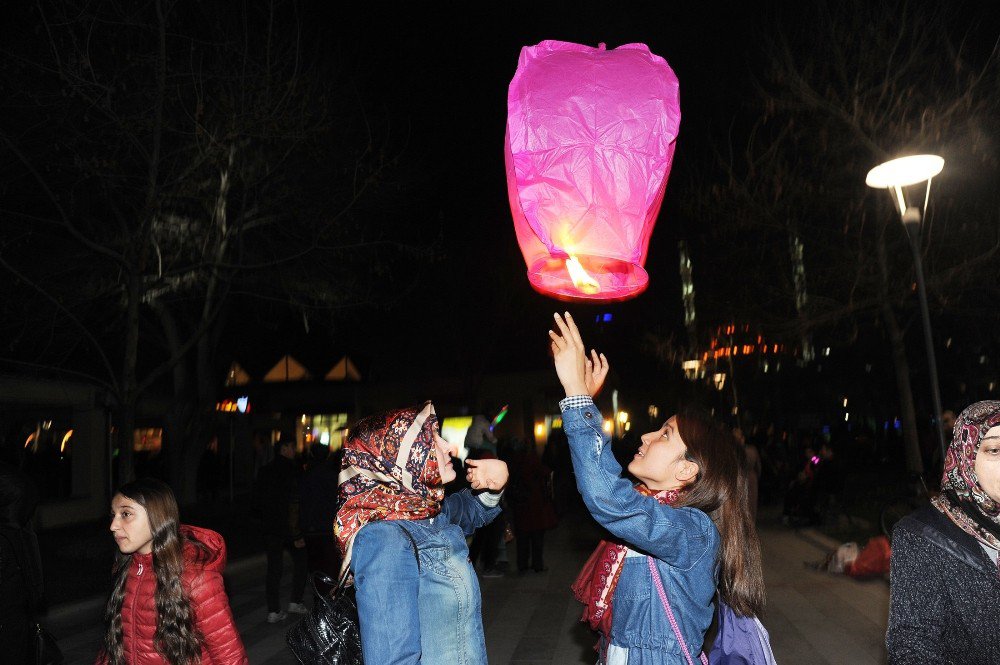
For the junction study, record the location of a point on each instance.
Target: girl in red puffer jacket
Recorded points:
(168, 605)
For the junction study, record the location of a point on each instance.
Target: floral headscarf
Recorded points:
(962, 498)
(389, 472)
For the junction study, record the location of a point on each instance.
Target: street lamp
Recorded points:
(894, 175)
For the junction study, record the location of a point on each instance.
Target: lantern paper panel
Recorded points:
(590, 139)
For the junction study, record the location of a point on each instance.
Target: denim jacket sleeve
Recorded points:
(468, 512)
(679, 537)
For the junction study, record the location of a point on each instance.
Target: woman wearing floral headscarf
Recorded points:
(418, 597)
(945, 593)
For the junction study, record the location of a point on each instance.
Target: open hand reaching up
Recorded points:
(578, 374)
(597, 371)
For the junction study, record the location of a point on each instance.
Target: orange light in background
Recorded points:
(608, 425)
(539, 430)
(62, 446)
(31, 437)
(581, 278)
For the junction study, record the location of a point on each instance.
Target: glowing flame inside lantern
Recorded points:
(581, 278)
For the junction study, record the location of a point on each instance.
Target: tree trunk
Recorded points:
(176, 431)
(130, 392)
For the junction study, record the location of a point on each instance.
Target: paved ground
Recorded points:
(814, 618)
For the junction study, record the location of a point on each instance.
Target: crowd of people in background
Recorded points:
(811, 473)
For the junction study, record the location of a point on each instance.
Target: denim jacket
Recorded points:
(431, 612)
(683, 541)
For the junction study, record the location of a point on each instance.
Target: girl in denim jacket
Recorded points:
(688, 515)
(418, 597)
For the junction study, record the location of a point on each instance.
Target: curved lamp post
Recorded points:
(895, 175)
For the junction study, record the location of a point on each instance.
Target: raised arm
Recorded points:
(680, 537)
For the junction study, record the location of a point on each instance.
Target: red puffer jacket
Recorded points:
(202, 580)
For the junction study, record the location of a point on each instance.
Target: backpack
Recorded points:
(739, 640)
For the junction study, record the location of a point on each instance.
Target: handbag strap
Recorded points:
(345, 565)
(413, 542)
(658, 583)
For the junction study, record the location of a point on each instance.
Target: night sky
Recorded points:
(434, 78)
(442, 72)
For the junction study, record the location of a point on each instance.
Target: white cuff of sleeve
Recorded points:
(575, 402)
(489, 499)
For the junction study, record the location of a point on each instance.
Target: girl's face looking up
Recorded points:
(445, 451)
(130, 526)
(661, 462)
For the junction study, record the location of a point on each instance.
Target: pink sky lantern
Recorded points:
(590, 139)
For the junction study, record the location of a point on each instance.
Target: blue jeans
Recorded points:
(429, 613)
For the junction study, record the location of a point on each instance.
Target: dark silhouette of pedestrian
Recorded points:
(209, 472)
(318, 509)
(20, 566)
(529, 495)
(276, 495)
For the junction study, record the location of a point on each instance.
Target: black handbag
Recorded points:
(328, 635)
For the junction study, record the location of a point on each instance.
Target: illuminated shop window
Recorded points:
(327, 429)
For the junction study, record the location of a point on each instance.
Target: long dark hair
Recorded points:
(722, 490)
(176, 638)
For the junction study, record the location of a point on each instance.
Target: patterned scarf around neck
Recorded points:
(962, 498)
(595, 585)
(389, 472)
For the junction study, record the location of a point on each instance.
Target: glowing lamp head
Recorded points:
(590, 141)
(904, 171)
(896, 174)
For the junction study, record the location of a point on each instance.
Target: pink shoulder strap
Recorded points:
(658, 583)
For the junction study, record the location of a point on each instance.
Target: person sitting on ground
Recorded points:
(404, 541)
(168, 605)
(944, 597)
(685, 526)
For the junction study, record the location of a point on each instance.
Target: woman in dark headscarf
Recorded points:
(945, 594)
(404, 541)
